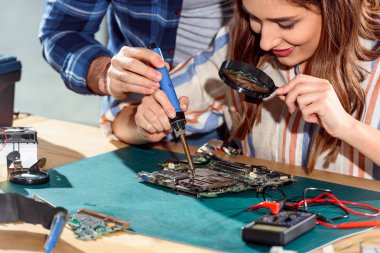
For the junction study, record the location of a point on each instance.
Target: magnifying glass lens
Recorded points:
(28, 178)
(246, 79)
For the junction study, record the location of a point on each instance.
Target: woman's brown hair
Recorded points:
(336, 59)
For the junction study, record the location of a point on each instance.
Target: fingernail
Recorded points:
(159, 63)
(172, 114)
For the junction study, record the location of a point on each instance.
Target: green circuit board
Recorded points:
(214, 177)
(89, 225)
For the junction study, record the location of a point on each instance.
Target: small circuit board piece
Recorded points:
(214, 177)
(90, 225)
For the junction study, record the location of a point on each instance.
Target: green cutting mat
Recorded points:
(107, 184)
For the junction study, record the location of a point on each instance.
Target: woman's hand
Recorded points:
(132, 70)
(152, 116)
(318, 102)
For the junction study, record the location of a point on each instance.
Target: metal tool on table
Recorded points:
(178, 122)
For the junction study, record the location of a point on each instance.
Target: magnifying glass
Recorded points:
(247, 79)
(32, 176)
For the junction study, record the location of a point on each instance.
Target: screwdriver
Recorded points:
(178, 122)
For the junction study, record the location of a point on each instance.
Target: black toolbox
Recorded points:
(10, 73)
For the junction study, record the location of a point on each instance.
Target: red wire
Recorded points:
(352, 224)
(319, 199)
(5, 139)
(341, 203)
(273, 206)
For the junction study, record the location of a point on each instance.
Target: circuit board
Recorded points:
(89, 225)
(213, 177)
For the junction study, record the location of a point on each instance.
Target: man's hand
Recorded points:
(133, 70)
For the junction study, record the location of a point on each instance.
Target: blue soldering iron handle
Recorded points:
(166, 82)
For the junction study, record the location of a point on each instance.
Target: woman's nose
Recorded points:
(270, 38)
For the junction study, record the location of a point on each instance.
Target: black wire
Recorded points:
(276, 188)
(279, 189)
(312, 189)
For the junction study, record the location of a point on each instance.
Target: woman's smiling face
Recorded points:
(289, 32)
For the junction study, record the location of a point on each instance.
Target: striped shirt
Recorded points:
(280, 136)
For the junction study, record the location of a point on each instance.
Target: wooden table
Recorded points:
(64, 142)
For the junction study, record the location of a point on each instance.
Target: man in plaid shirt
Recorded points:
(179, 28)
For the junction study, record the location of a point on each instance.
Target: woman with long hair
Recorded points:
(328, 117)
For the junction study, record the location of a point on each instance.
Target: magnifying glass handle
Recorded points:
(297, 70)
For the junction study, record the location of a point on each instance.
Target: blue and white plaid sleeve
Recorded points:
(67, 36)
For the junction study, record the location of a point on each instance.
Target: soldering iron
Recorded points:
(178, 122)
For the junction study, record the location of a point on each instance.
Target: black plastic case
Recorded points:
(10, 73)
(278, 229)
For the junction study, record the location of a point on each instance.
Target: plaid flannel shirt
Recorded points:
(68, 26)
